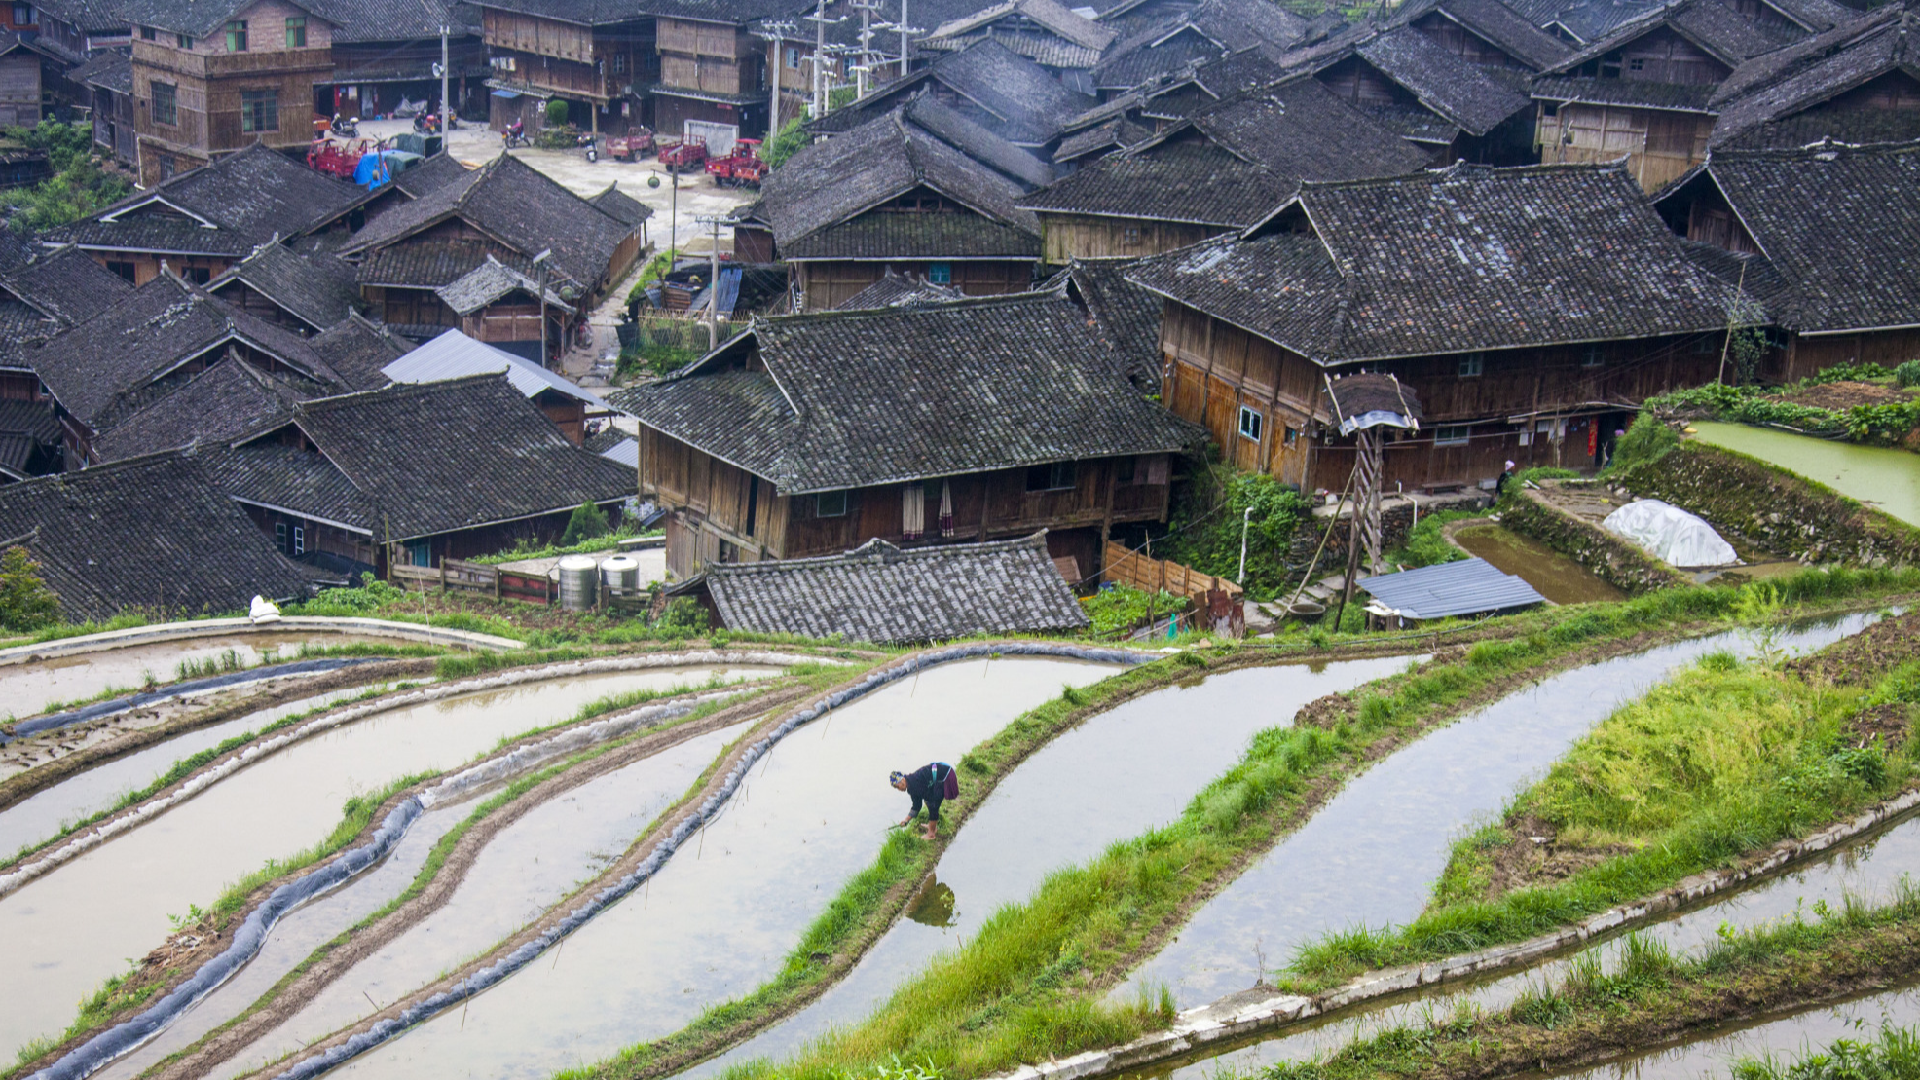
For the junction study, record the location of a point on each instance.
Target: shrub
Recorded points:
(372, 595)
(1647, 440)
(588, 522)
(1908, 374)
(1206, 528)
(78, 187)
(792, 139)
(1119, 609)
(25, 601)
(556, 112)
(683, 616)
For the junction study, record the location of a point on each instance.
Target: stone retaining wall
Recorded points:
(1608, 557)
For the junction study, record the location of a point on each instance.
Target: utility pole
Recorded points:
(446, 76)
(820, 97)
(540, 261)
(713, 283)
(905, 29)
(773, 77)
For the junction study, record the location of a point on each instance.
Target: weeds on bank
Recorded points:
(1723, 759)
(1893, 1054)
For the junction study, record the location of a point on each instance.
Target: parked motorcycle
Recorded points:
(515, 134)
(345, 126)
(590, 141)
(426, 123)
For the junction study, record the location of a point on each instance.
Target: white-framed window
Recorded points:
(793, 57)
(1595, 356)
(1454, 435)
(299, 539)
(830, 504)
(1252, 423)
(1474, 363)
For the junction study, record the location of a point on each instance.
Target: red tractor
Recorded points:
(338, 157)
(632, 146)
(684, 156)
(741, 167)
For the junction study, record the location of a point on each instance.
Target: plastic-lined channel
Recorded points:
(1116, 776)
(75, 926)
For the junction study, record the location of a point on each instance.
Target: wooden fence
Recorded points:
(1216, 601)
(478, 579)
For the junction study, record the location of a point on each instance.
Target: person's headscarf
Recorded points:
(896, 776)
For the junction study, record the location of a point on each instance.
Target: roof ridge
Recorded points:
(966, 303)
(394, 391)
(924, 551)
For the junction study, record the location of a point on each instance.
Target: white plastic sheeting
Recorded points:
(1671, 534)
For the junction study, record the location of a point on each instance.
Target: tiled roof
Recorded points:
(427, 264)
(394, 20)
(1588, 21)
(294, 479)
(357, 350)
(1670, 97)
(604, 12)
(1465, 94)
(1257, 148)
(111, 70)
(1858, 127)
(35, 419)
(1116, 134)
(1716, 29)
(977, 142)
(883, 234)
(1497, 24)
(99, 368)
(249, 198)
(897, 291)
(1752, 274)
(834, 182)
(853, 399)
(409, 453)
(487, 283)
(1047, 15)
(522, 208)
(65, 285)
(882, 594)
(621, 206)
(199, 18)
(1453, 260)
(1017, 99)
(1124, 314)
(437, 171)
(22, 329)
(1151, 59)
(1840, 225)
(88, 15)
(1209, 31)
(1808, 73)
(222, 403)
(317, 289)
(150, 533)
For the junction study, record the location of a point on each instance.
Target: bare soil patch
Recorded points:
(1888, 723)
(1845, 395)
(1863, 658)
(1537, 856)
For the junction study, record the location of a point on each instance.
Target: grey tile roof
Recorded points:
(199, 18)
(410, 454)
(318, 289)
(1840, 225)
(222, 403)
(896, 291)
(1152, 59)
(1017, 99)
(196, 551)
(1809, 73)
(520, 207)
(293, 479)
(817, 203)
(977, 142)
(621, 206)
(604, 12)
(357, 350)
(437, 171)
(1498, 25)
(1124, 314)
(1453, 260)
(248, 198)
(100, 369)
(111, 70)
(853, 399)
(1116, 134)
(1753, 274)
(1235, 160)
(1209, 31)
(394, 20)
(427, 264)
(1468, 587)
(1719, 31)
(1469, 96)
(1588, 21)
(883, 594)
(35, 419)
(94, 16)
(1855, 126)
(1669, 97)
(1046, 15)
(65, 285)
(487, 283)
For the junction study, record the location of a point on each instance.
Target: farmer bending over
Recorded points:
(933, 783)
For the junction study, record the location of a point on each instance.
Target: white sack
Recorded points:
(1671, 534)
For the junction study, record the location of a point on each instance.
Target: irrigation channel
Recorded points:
(530, 865)
(730, 904)
(76, 925)
(1150, 756)
(1869, 870)
(30, 688)
(42, 815)
(1371, 855)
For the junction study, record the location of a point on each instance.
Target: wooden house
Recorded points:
(1857, 83)
(504, 308)
(43, 292)
(976, 419)
(920, 190)
(1528, 309)
(201, 223)
(210, 79)
(78, 30)
(396, 475)
(505, 211)
(1485, 32)
(1826, 235)
(109, 79)
(19, 81)
(305, 293)
(388, 51)
(593, 54)
(988, 83)
(1166, 47)
(1045, 31)
(1222, 169)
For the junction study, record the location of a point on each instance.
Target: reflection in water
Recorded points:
(1551, 574)
(933, 905)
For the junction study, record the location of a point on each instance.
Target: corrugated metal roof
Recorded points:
(626, 452)
(1455, 588)
(454, 355)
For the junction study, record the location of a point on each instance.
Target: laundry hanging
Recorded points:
(946, 510)
(913, 511)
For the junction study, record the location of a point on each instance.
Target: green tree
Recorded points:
(1206, 526)
(791, 140)
(588, 522)
(25, 601)
(556, 112)
(78, 186)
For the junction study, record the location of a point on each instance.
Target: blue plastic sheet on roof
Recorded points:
(508, 94)
(1456, 588)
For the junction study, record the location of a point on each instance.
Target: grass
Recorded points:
(1427, 544)
(1652, 994)
(605, 542)
(1724, 759)
(1892, 1054)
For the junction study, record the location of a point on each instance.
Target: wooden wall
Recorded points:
(146, 266)
(1084, 236)
(20, 88)
(827, 283)
(1215, 369)
(1888, 348)
(1660, 146)
(1663, 56)
(1464, 43)
(536, 36)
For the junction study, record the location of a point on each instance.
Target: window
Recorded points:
(148, 33)
(237, 36)
(1130, 234)
(1127, 469)
(793, 57)
(185, 41)
(1251, 423)
(1451, 436)
(940, 273)
(166, 104)
(124, 269)
(829, 504)
(619, 63)
(297, 32)
(1638, 63)
(1473, 364)
(280, 536)
(23, 14)
(1058, 476)
(259, 110)
(1292, 434)
(199, 275)
(299, 540)
(1594, 357)
(419, 553)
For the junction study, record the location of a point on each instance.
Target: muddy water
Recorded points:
(1371, 855)
(733, 901)
(26, 689)
(1884, 478)
(1868, 870)
(76, 926)
(1551, 574)
(1122, 773)
(531, 865)
(33, 820)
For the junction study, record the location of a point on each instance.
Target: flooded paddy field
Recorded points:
(719, 918)
(1886, 479)
(29, 688)
(80, 923)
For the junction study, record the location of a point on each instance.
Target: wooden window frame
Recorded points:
(296, 23)
(170, 115)
(236, 36)
(1473, 365)
(250, 124)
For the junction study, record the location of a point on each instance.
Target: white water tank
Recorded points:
(579, 581)
(621, 574)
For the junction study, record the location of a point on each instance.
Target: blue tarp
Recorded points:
(1468, 587)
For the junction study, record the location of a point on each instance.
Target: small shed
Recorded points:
(1468, 587)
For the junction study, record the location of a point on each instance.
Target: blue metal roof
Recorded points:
(1456, 588)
